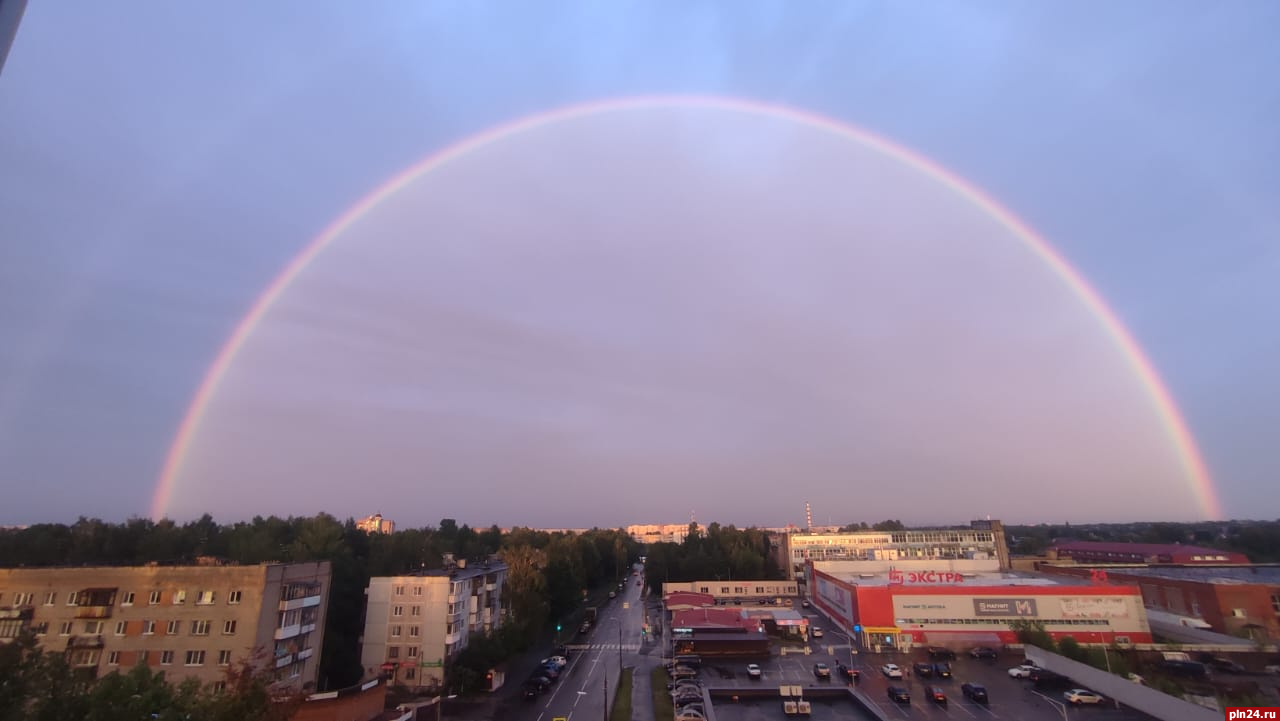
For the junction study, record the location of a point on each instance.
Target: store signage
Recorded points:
(896, 576)
(1004, 607)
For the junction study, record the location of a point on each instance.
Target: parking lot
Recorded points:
(1010, 698)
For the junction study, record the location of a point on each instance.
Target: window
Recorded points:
(200, 628)
(395, 632)
(195, 658)
(408, 673)
(148, 627)
(174, 627)
(113, 658)
(143, 657)
(224, 658)
(233, 597)
(154, 598)
(122, 627)
(228, 627)
(415, 610)
(50, 598)
(397, 610)
(413, 632)
(126, 599)
(413, 652)
(71, 598)
(179, 597)
(393, 652)
(399, 590)
(65, 629)
(204, 598)
(219, 686)
(166, 658)
(92, 627)
(417, 590)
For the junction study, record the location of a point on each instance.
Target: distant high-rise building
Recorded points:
(10, 17)
(416, 624)
(660, 533)
(188, 621)
(376, 524)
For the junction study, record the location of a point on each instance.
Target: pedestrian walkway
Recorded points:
(642, 689)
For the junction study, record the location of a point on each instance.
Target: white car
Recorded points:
(753, 670)
(1080, 695)
(891, 670)
(1023, 670)
(817, 632)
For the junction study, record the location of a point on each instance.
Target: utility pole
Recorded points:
(606, 696)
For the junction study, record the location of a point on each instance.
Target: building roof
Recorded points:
(1145, 549)
(1222, 575)
(711, 618)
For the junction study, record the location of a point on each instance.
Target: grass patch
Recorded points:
(622, 700)
(663, 708)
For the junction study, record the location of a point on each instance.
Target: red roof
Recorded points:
(711, 618)
(1173, 550)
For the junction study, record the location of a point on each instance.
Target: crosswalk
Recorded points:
(602, 646)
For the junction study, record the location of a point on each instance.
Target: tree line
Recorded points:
(1259, 540)
(721, 552)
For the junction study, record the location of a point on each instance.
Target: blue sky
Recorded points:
(160, 164)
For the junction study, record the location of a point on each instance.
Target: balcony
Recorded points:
(89, 641)
(287, 632)
(453, 598)
(491, 587)
(304, 602)
(306, 653)
(284, 660)
(93, 612)
(20, 613)
(308, 627)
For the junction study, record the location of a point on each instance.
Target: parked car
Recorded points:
(613, 594)
(983, 652)
(530, 690)
(821, 670)
(559, 661)
(941, 653)
(1081, 695)
(922, 669)
(753, 670)
(804, 604)
(975, 692)
(899, 694)
(1023, 670)
(817, 632)
(585, 627)
(848, 673)
(1046, 679)
(942, 669)
(891, 670)
(684, 697)
(937, 695)
(678, 672)
(1226, 666)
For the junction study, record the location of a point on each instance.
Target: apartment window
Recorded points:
(397, 610)
(413, 632)
(393, 652)
(228, 627)
(195, 658)
(399, 590)
(224, 658)
(92, 627)
(113, 658)
(204, 598)
(174, 627)
(234, 597)
(154, 598)
(408, 673)
(126, 599)
(219, 686)
(122, 627)
(65, 629)
(395, 632)
(200, 628)
(148, 627)
(415, 610)
(413, 652)
(50, 598)
(166, 658)
(417, 590)
(179, 597)
(71, 598)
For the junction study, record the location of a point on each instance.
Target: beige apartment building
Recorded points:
(376, 524)
(416, 624)
(660, 533)
(983, 540)
(188, 621)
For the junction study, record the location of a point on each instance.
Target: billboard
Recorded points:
(1094, 607)
(1005, 607)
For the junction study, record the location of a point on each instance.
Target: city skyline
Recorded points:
(776, 258)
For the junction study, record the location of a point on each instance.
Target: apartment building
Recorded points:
(981, 541)
(188, 621)
(376, 524)
(416, 624)
(660, 533)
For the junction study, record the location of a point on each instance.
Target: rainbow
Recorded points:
(1167, 410)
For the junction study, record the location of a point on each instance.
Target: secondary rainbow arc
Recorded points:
(1174, 424)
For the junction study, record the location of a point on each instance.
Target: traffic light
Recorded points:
(857, 628)
(557, 628)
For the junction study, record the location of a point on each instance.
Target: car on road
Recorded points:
(983, 652)
(922, 669)
(817, 632)
(891, 670)
(753, 670)
(942, 669)
(613, 594)
(1023, 670)
(821, 670)
(941, 653)
(847, 673)
(585, 627)
(899, 694)
(937, 695)
(559, 661)
(804, 603)
(975, 692)
(1081, 695)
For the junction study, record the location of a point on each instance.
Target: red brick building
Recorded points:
(1099, 552)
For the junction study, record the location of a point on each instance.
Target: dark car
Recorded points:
(975, 692)
(922, 669)
(542, 682)
(942, 669)
(899, 694)
(983, 652)
(1185, 669)
(1046, 679)
(940, 653)
(530, 690)
(1226, 666)
(847, 673)
(937, 695)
